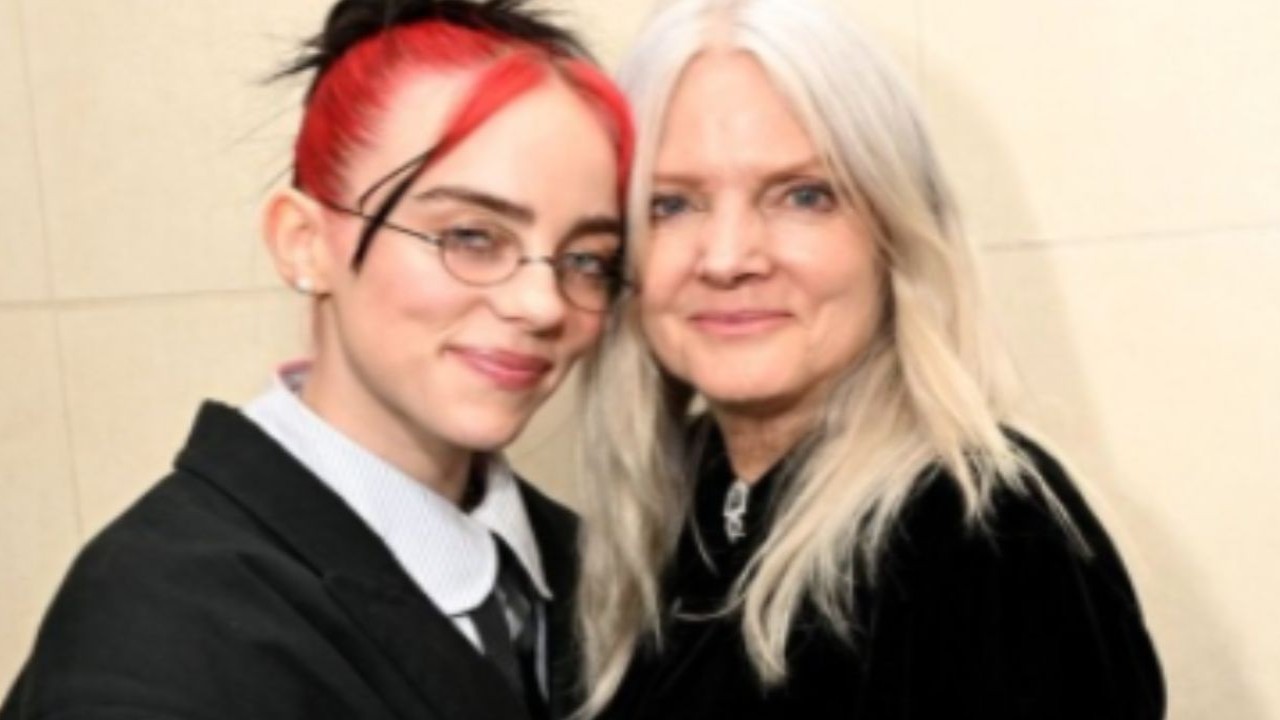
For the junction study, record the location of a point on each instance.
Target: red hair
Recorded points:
(344, 102)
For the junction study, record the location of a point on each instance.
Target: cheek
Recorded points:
(842, 280)
(410, 287)
(662, 331)
(848, 316)
(663, 270)
(586, 330)
(660, 277)
(657, 299)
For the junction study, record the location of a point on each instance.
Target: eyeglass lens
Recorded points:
(585, 270)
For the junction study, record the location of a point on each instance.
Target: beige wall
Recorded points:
(1119, 160)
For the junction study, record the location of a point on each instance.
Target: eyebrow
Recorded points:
(590, 225)
(594, 225)
(497, 205)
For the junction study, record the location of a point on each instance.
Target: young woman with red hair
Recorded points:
(351, 544)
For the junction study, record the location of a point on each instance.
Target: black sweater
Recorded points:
(1010, 621)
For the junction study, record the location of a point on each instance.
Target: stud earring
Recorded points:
(304, 285)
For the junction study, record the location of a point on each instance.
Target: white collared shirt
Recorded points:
(448, 553)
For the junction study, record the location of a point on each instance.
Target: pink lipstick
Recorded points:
(508, 370)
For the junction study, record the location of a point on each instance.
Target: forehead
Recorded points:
(545, 146)
(726, 110)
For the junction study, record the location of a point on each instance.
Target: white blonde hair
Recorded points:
(928, 392)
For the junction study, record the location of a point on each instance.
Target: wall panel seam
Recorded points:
(141, 300)
(77, 496)
(1227, 233)
(51, 283)
(24, 52)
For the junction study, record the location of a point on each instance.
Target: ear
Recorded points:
(293, 226)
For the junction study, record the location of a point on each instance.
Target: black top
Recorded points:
(1013, 622)
(241, 587)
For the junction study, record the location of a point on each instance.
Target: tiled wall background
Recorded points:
(1119, 161)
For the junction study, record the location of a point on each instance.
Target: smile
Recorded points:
(508, 370)
(739, 323)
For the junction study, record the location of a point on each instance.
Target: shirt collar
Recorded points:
(450, 554)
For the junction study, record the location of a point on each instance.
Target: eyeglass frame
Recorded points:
(616, 282)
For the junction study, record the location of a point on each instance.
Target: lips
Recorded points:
(508, 370)
(739, 322)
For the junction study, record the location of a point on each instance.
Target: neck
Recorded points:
(756, 443)
(440, 466)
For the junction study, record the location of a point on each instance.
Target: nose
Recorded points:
(733, 245)
(532, 296)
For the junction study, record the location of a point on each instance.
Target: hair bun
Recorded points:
(351, 21)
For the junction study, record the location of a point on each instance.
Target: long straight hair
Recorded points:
(929, 392)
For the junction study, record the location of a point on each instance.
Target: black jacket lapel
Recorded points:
(448, 674)
(456, 681)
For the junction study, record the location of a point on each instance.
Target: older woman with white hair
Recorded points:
(806, 496)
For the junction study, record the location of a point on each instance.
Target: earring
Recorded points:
(304, 285)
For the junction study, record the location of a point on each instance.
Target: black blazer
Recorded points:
(241, 587)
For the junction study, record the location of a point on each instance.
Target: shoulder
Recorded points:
(1037, 545)
(198, 525)
(1041, 508)
(154, 596)
(181, 520)
(1048, 488)
(1030, 603)
(184, 561)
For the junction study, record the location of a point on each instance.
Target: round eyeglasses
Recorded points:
(588, 276)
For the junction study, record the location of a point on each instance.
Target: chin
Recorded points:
(488, 434)
(754, 397)
(737, 390)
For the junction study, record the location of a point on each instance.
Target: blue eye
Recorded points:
(666, 206)
(588, 264)
(811, 196)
